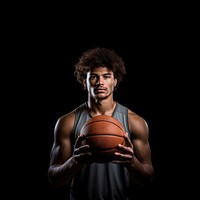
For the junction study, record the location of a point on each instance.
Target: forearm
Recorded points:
(60, 175)
(141, 173)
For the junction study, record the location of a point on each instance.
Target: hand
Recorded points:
(82, 153)
(126, 153)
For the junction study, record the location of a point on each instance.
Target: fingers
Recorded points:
(82, 152)
(78, 141)
(84, 158)
(128, 141)
(128, 148)
(79, 148)
(122, 158)
(125, 153)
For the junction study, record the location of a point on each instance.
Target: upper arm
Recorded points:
(62, 145)
(140, 137)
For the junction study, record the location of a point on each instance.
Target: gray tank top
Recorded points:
(100, 180)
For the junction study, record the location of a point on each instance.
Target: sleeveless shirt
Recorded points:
(105, 181)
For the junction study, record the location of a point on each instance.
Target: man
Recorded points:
(100, 70)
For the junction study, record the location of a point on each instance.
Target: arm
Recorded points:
(140, 166)
(137, 154)
(65, 156)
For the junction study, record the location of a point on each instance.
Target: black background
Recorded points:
(45, 43)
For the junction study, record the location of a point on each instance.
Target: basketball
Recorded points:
(103, 133)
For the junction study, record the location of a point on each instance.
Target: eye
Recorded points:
(107, 76)
(92, 77)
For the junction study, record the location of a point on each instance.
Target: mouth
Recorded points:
(99, 90)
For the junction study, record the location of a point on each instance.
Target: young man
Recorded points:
(100, 70)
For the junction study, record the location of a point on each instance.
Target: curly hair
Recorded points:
(99, 57)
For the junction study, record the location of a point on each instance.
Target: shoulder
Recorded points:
(137, 125)
(65, 123)
(65, 119)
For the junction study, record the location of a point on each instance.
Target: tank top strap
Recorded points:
(121, 114)
(81, 116)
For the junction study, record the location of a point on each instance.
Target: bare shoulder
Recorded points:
(64, 124)
(137, 125)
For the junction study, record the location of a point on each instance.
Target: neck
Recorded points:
(101, 107)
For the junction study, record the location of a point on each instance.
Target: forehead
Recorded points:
(100, 70)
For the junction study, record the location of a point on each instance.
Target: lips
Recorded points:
(100, 89)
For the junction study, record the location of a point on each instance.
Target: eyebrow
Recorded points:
(108, 73)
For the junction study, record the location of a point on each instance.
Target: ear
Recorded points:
(115, 82)
(84, 84)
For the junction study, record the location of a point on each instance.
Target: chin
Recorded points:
(101, 97)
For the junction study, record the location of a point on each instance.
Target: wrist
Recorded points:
(130, 164)
(75, 164)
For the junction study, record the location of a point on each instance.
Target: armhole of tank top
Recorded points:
(126, 118)
(76, 117)
(75, 123)
(125, 111)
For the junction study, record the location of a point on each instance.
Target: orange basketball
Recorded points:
(103, 134)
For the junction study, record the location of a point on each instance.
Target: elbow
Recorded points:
(51, 178)
(144, 177)
(147, 177)
(55, 180)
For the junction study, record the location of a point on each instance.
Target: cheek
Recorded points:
(113, 85)
(90, 86)
(90, 82)
(87, 83)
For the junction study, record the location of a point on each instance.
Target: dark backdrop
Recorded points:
(54, 91)
(45, 44)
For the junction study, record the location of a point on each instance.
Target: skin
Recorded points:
(66, 158)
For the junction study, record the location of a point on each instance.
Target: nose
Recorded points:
(100, 81)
